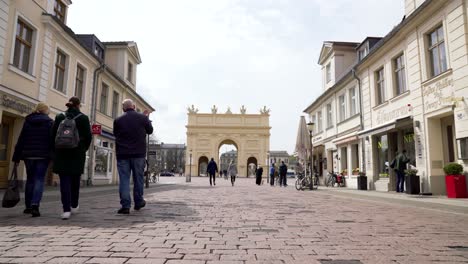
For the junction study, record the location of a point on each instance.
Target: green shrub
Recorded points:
(453, 169)
(411, 172)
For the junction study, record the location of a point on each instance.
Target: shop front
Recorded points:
(347, 156)
(104, 159)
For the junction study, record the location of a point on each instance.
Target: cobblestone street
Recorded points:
(196, 223)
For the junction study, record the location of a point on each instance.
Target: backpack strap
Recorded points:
(78, 115)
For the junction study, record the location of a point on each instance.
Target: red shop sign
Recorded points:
(96, 129)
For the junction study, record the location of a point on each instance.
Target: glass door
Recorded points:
(6, 128)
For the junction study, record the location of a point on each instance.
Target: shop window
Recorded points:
(408, 145)
(463, 146)
(382, 156)
(344, 161)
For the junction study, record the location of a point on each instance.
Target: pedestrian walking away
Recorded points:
(272, 174)
(258, 174)
(212, 169)
(283, 169)
(72, 136)
(34, 147)
(130, 130)
(399, 164)
(232, 171)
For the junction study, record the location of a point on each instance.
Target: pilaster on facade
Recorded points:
(4, 11)
(44, 84)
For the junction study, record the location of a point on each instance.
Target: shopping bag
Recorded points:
(12, 194)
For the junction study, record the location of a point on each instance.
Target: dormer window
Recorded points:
(130, 72)
(59, 10)
(98, 51)
(363, 52)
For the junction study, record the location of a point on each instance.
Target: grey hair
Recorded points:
(127, 104)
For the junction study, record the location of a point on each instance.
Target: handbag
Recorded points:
(12, 195)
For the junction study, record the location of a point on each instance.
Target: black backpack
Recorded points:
(67, 133)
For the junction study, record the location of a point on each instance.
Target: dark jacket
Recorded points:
(72, 161)
(130, 131)
(400, 161)
(212, 167)
(283, 169)
(259, 171)
(34, 140)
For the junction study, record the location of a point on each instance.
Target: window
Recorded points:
(329, 116)
(60, 66)
(363, 52)
(319, 121)
(380, 84)
(437, 55)
(79, 82)
(382, 156)
(23, 46)
(313, 120)
(342, 107)
(98, 51)
(328, 71)
(130, 72)
(352, 101)
(104, 96)
(400, 77)
(59, 10)
(115, 104)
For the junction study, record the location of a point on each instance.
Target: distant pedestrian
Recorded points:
(258, 174)
(34, 148)
(272, 174)
(232, 171)
(69, 158)
(130, 130)
(212, 169)
(282, 172)
(399, 164)
(220, 173)
(225, 174)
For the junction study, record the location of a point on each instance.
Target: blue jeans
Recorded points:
(35, 170)
(400, 181)
(136, 167)
(69, 190)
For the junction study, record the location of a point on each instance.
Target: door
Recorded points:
(6, 131)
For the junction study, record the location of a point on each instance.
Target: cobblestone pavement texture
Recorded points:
(196, 223)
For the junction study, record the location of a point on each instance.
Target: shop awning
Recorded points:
(346, 139)
(384, 127)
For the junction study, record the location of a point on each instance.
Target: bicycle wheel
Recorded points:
(327, 181)
(298, 184)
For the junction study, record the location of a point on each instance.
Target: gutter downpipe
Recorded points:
(363, 163)
(93, 109)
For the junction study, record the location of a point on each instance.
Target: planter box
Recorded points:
(362, 182)
(455, 186)
(412, 184)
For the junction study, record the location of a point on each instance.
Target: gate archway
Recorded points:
(251, 166)
(202, 166)
(206, 133)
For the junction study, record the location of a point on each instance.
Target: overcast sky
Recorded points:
(232, 52)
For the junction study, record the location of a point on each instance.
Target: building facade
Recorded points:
(42, 59)
(167, 157)
(413, 87)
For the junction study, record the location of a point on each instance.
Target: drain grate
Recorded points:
(352, 261)
(461, 248)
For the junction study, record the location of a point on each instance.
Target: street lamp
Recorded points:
(268, 167)
(189, 176)
(310, 127)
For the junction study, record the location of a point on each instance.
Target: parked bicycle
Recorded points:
(334, 178)
(303, 182)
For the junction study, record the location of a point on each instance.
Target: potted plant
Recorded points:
(362, 181)
(344, 172)
(356, 171)
(412, 181)
(455, 182)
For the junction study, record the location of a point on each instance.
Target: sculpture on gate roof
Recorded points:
(192, 110)
(243, 110)
(214, 109)
(264, 111)
(228, 110)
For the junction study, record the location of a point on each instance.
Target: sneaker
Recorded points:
(35, 211)
(138, 207)
(124, 211)
(75, 210)
(27, 211)
(66, 215)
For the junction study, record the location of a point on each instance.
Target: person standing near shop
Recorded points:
(34, 147)
(232, 171)
(399, 164)
(258, 174)
(283, 169)
(130, 130)
(272, 174)
(212, 169)
(72, 136)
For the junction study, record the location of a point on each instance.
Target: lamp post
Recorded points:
(189, 176)
(310, 127)
(268, 167)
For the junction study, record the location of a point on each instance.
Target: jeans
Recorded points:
(70, 190)
(212, 175)
(36, 170)
(233, 179)
(400, 181)
(136, 167)
(282, 180)
(272, 179)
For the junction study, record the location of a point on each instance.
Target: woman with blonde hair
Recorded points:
(34, 147)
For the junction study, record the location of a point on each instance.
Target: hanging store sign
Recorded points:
(11, 102)
(96, 129)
